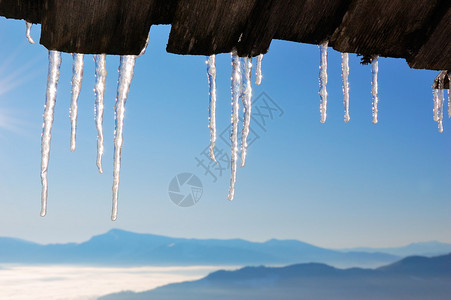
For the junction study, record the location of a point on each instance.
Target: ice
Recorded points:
(77, 78)
(323, 80)
(29, 38)
(246, 98)
(52, 83)
(236, 92)
(258, 71)
(436, 101)
(143, 51)
(345, 76)
(126, 70)
(374, 87)
(440, 100)
(449, 95)
(211, 73)
(99, 89)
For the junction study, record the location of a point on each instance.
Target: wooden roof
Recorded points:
(416, 30)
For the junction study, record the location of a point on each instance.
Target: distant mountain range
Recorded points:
(118, 247)
(432, 248)
(412, 278)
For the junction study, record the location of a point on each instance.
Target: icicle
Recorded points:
(345, 76)
(449, 95)
(374, 88)
(323, 81)
(258, 71)
(125, 78)
(143, 51)
(236, 91)
(52, 83)
(247, 104)
(77, 78)
(211, 73)
(440, 100)
(29, 38)
(100, 61)
(436, 102)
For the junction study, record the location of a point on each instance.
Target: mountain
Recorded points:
(432, 248)
(411, 278)
(120, 247)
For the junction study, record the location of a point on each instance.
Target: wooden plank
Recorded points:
(101, 26)
(208, 27)
(380, 27)
(435, 54)
(309, 21)
(30, 10)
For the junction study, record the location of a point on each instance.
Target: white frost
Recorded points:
(258, 71)
(246, 98)
(77, 78)
(323, 80)
(126, 70)
(374, 87)
(345, 77)
(52, 83)
(143, 51)
(236, 92)
(99, 89)
(211, 73)
(29, 38)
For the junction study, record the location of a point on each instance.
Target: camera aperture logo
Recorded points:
(185, 189)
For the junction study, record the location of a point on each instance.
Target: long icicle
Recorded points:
(236, 91)
(211, 73)
(258, 70)
(99, 89)
(77, 78)
(126, 71)
(28, 32)
(374, 86)
(345, 77)
(247, 104)
(440, 100)
(52, 84)
(449, 95)
(323, 80)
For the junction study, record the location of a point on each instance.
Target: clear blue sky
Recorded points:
(334, 185)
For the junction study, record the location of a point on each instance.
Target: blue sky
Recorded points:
(334, 185)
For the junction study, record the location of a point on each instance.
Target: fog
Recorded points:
(85, 282)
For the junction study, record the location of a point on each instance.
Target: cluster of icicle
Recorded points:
(439, 99)
(126, 70)
(241, 90)
(345, 76)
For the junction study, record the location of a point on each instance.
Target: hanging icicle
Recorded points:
(28, 33)
(440, 100)
(258, 71)
(449, 95)
(77, 78)
(345, 77)
(52, 84)
(374, 86)
(236, 92)
(99, 89)
(126, 70)
(323, 80)
(247, 105)
(211, 73)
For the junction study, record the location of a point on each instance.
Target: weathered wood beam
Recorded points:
(208, 27)
(435, 53)
(29, 10)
